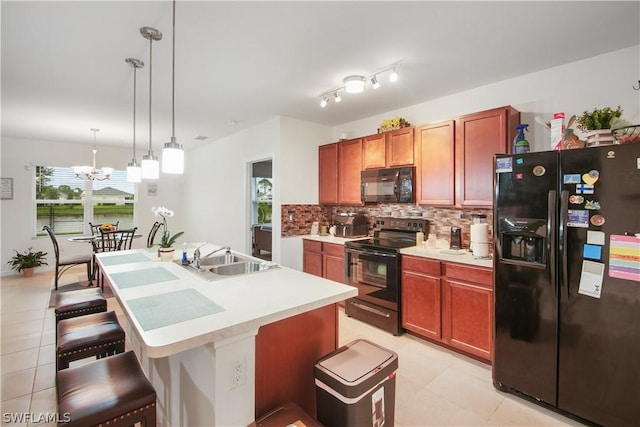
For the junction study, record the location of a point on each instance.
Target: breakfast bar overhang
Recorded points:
(220, 352)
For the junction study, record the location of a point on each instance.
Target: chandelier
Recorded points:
(91, 173)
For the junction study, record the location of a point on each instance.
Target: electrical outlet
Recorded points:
(237, 373)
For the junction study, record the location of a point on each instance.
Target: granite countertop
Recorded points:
(172, 309)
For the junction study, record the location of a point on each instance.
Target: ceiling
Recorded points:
(240, 63)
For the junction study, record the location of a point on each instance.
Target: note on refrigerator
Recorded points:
(591, 278)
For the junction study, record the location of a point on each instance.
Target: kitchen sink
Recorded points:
(215, 268)
(241, 268)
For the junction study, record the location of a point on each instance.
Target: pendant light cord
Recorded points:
(173, 77)
(150, 73)
(135, 70)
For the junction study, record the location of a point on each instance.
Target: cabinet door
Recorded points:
(328, 170)
(435, 149)
(333, 262)
(374, 151)
(421, 296)
(350, 166)
(478, 137)
(400, 150)
(467, 317)
(312, 257)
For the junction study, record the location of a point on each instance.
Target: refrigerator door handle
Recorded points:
(552, 222)
(564, 207)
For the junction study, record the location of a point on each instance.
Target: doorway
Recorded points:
(261, 188)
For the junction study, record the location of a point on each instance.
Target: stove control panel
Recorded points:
(401, 224)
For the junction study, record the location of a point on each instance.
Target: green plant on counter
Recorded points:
(166, 239)
(599, 118)
(28, 259)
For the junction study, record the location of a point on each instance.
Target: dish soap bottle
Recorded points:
(520, 144)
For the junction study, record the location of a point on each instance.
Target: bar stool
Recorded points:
(97, 334)
(78, 303)
(112, 391)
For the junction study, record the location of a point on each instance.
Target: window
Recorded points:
(67, 204)
(262, 200)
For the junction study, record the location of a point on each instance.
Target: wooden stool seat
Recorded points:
(112, 391)
(78, 303)
(97, 334)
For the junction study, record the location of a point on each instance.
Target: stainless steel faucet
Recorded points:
(197, 259)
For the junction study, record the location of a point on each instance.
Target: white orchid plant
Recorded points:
(167, 240)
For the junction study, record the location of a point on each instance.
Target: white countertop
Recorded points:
(248, 301)
(330, 239)
(466, 258)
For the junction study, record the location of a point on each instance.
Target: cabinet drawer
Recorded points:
(421, 265)
(311, 245)
(483, 276)
(332, 249)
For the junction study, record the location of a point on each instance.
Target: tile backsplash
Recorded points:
(297, 219)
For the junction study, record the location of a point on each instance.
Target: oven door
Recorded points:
(375, 274)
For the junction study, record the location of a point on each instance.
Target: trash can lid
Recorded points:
(359, 359)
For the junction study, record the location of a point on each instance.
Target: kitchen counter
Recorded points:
(466, 258)
(330, 239)
(188, 332)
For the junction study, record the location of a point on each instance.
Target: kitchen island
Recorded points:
(221, 352)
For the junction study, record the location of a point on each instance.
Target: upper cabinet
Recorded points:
(478, 137)
(388, 149)
(349, 168)
(435, 152)
(328, 168)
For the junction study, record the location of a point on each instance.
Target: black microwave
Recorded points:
(391, 185)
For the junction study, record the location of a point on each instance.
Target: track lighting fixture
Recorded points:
(357, 83)
(374, 82)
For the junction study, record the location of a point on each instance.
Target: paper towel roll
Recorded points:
(481, 250)
(479, 233)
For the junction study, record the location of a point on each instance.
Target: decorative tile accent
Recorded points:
(297, 219)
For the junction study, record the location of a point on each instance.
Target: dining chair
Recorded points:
(152, 233)
(110, 241)
(65, 263)
(95, 229)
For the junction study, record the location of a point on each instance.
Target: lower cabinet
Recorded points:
(449, 303)
(323, 259)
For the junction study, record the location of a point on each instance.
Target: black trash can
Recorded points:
(356, 386)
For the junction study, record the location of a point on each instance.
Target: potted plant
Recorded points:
(27, 261)
(166, 249)
(597, 125)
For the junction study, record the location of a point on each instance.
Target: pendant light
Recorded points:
(172, 153)
(134, 171)
(150, 163)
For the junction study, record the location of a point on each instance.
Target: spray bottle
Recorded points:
(520, 144)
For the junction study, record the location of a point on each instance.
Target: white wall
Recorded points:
(17, 215)
(601, 81)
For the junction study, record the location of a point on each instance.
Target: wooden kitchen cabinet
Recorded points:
(421, 296)
(449, 303)
(478, 137)
(323, 259)
(349, 168)
(435, 152)
(328, 174)
(312, 257)
(388, 149)
(468, 309)
(333, 262)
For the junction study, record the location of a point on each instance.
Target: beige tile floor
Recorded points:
(434, 386)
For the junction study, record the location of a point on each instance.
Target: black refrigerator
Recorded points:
(567, 281)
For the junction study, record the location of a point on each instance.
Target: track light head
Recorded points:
(394, 75)
(336, 97)
(374, 82)
(324, 101)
